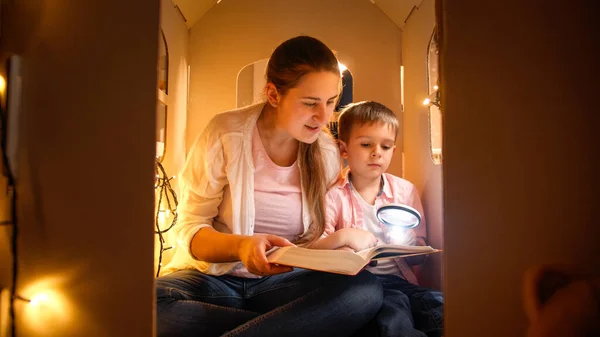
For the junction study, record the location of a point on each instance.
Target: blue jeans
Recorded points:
(408, 310)
(298, 303)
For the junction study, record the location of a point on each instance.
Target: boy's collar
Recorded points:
(386, 190)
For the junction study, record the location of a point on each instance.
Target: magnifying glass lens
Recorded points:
(400, 216)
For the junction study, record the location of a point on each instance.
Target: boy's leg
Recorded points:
(427, 306)
(308, 303)
(395, 317)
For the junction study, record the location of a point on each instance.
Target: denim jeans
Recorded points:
(298, 303)
(408, 310)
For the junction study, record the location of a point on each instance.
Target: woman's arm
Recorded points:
(212, 246)
(202, 182)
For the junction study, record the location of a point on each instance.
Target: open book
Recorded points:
(341, 261)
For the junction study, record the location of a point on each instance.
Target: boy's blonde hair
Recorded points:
(365, 112)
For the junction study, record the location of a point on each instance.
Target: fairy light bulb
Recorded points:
(2, 85)
(39, 299)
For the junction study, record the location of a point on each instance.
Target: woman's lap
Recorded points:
(298, 303)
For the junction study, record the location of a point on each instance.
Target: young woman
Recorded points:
(256, 179)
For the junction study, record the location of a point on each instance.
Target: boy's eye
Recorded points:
(385, 147)
(365, 144)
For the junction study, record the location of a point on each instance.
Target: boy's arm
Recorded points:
(332, 213)
(414, 201)
(420, 231)
(339, 234)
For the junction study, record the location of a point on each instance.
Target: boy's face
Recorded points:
(369, 149)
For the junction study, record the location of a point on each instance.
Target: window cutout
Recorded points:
(162, 103)
(161, 129)
(251, 81)
(163, 64)
(433, 101)
(346, 97)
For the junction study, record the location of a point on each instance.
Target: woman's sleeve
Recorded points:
(201, 184)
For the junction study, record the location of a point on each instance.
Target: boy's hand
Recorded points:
(410, 237)
(418, 259)
(406, 237)
(357, 239)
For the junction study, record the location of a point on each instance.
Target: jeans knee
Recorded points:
(367, 292)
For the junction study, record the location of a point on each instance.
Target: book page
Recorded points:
(393, 251)
(332, 261)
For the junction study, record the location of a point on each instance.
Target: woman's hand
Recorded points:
(252, 254)
(357, 239)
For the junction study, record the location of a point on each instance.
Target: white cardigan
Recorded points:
(220, 166)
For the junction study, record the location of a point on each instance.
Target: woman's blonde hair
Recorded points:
(290, 61)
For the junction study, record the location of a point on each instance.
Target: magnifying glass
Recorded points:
(398, 216)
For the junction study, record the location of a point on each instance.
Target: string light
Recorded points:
(11, 191)
(433, 99)
(36, 300)
(2, 85)
(165, 196)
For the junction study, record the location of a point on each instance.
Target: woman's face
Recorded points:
(306, 108)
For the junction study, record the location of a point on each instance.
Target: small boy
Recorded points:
(367, 134)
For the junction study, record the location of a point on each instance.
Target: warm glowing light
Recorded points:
(50, 307)
(342, 67)
(402, 86)
(426, 101)
(39, 299)
(397, 235)
(435, 87)
(2, 85)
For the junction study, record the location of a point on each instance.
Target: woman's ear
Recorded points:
(272, 94)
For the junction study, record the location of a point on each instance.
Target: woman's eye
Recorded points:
(330, 102)
(310, 105)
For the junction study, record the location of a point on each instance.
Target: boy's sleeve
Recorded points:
(331, 212)
(414, 201)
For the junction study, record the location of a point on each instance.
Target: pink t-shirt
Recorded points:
(277, 195)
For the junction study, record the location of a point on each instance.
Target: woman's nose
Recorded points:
(321, 115)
